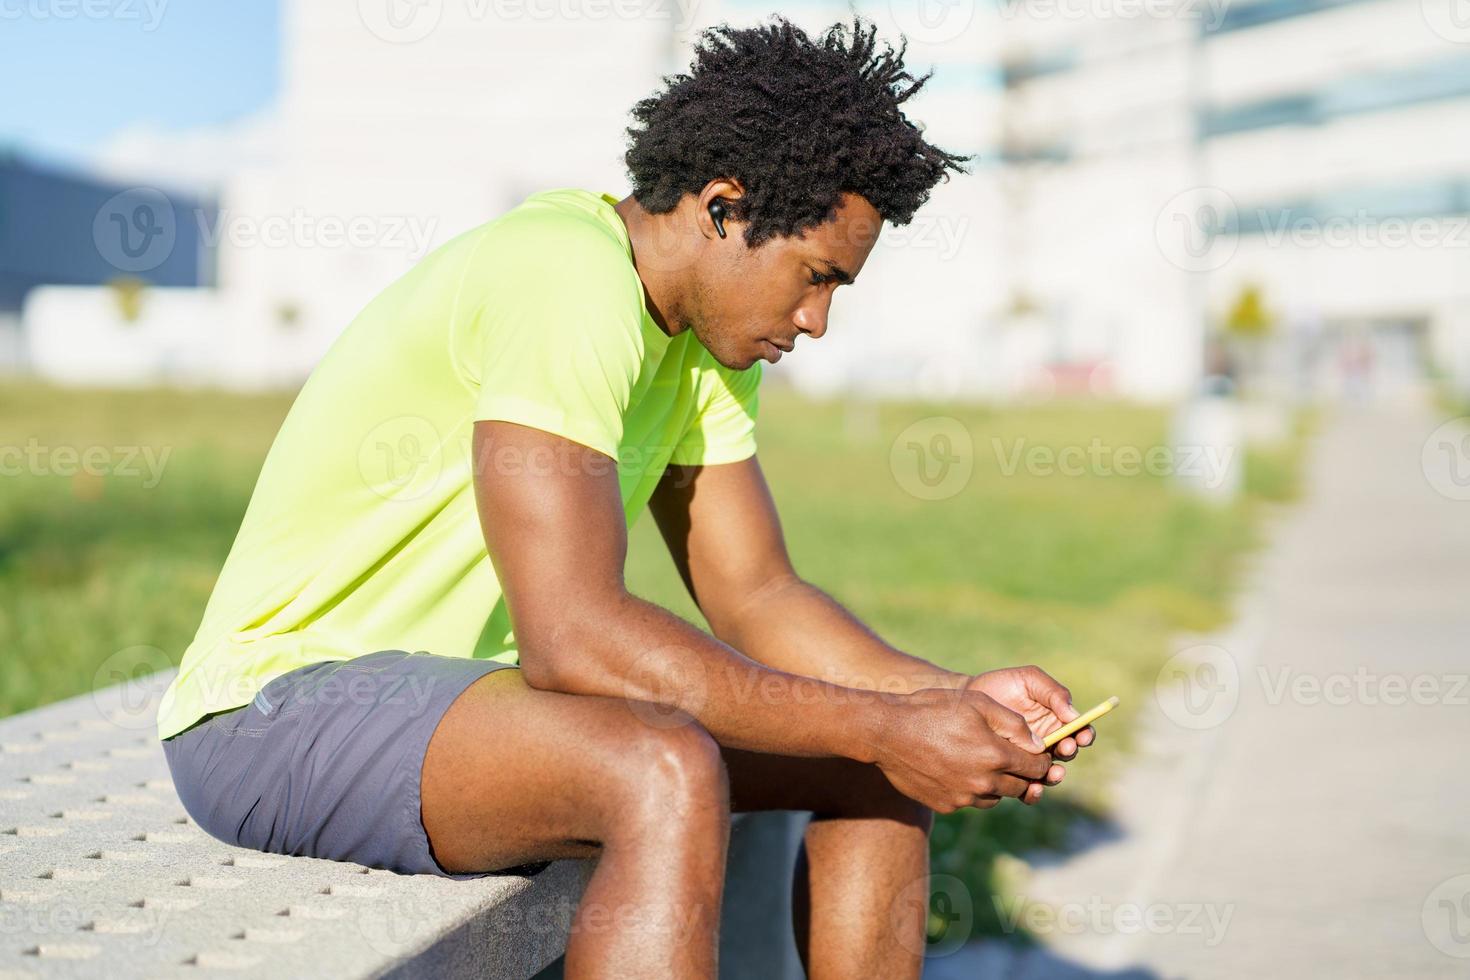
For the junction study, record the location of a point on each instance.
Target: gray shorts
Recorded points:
(326, 761)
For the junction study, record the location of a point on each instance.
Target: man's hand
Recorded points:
(1045, 704)
(954, 748)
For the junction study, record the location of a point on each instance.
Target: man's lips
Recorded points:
(774, 350)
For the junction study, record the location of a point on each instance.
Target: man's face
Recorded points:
(752, 304)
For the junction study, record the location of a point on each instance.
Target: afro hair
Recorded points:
(797, 121)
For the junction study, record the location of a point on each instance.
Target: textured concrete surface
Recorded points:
(102, 874)
(1299, 805)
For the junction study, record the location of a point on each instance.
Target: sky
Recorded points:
(76, 73)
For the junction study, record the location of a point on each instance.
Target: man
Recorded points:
(456, 479)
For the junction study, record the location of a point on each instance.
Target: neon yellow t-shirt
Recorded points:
(362, 533)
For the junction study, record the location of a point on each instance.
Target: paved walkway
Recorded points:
(1300, 803)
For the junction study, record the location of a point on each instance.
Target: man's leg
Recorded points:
(514, 775)
(860, 894)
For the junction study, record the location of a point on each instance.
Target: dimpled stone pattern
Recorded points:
(103, 874)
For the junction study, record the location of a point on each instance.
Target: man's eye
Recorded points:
(816, 278)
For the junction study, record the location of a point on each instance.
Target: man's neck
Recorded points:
(659, 287)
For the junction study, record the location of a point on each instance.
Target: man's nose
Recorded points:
(812, 318)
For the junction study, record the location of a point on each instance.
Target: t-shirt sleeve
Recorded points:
(552, 322)
(723, 430)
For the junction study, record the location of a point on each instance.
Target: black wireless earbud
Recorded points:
(717, 215)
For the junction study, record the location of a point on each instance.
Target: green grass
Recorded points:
(1086, 575)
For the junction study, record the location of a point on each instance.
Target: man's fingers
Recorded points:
(1009, 725)
(1045, 689)
(1005, 784)
(1027, 765)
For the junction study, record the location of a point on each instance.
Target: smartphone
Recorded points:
(1080, 722)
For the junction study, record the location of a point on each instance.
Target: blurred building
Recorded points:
(1290, 175)
(62, 228)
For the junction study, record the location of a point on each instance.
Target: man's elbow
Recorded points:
(567, 656)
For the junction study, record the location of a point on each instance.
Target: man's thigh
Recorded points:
(514, 775)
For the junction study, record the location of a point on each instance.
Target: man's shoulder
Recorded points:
(566, 219)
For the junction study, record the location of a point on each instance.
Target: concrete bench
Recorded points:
(102, 873)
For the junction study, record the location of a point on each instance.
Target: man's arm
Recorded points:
(554, 525)
(722, 529)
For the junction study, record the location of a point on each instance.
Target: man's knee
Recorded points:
(676, 763)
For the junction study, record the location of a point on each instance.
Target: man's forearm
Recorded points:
(633, 649)
(794, 626)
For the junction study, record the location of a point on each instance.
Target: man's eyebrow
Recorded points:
(836, 271)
